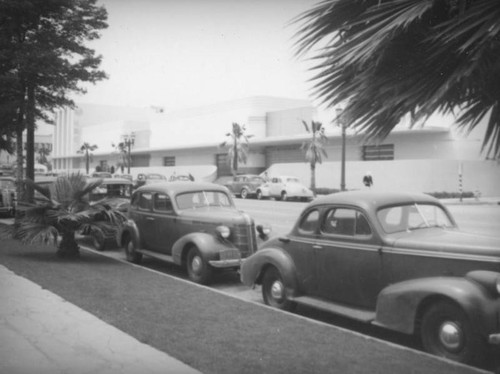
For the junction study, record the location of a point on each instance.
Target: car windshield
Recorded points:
(413, 216)
(201, 199)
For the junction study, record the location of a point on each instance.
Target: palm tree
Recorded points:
(314, 148)
(237, 145)
(62, 210)
(123, 159)
(86, 149)
(387, 59)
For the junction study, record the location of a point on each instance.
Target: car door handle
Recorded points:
(150, 219)
(317, 246)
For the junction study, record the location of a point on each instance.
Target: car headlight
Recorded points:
(223, 231)
(264, 230)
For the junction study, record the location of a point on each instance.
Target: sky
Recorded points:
(185, 53)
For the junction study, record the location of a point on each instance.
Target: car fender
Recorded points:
(253, 268)
(401, 305)
(208, 244)
(129, 229)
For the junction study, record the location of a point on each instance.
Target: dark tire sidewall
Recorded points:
(471, 349)
(205, 274)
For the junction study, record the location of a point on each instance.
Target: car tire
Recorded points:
(131, 251)
(199, 271)
(273, 290)
(446, 331)
(258, 195)
(244, 193)
(99, 241)
(283, 196)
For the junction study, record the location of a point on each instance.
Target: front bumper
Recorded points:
(220, 264)
(494, 339)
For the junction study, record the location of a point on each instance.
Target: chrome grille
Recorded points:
(244, 238)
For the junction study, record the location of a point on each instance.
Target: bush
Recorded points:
(326, 191)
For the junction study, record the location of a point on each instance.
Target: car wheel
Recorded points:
(273, 290)
(259, 195)
(446, 331)
(199, 271)
(98, 241)
(131, 251)
(244, 193)
(284, 196)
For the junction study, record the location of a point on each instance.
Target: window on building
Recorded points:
(169, 161)
(378, 152)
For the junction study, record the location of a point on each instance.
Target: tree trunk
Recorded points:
(87, 161)
(20, 191)
(68, 247)
(30, 140)
(313, 179)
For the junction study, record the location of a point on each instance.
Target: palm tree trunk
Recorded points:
(87, 161)
(313, 178)
(68, 247)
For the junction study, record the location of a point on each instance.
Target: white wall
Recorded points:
(402, 175)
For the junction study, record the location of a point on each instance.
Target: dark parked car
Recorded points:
(191, 224)
(392, 259)
(245, 185)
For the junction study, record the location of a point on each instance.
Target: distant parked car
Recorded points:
(101, 174)
(391, 259)
(191, 224)
(181, 178)
(143, 179)
(286, 188)
(246, 185)
(124, 176)
(116, 193)
(7, 195)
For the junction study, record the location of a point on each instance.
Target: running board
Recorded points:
(159, 256)
(360, 315)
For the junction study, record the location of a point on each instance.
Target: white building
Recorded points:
(429, 159)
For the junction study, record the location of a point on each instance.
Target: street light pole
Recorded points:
(129, 140)
(342, 124)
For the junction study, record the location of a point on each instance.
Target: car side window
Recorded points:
(162, 203)
(144, 202)
(309, 222)
(342, 221)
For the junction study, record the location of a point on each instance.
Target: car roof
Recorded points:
(374, 199)
(181, 186)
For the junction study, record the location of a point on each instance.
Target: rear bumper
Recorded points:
(494, 339)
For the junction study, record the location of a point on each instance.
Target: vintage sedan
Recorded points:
(286, 188)
(7, 195)
(246, 185)
(192, 224)
(395, 260)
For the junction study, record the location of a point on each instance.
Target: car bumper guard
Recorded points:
(233, 263)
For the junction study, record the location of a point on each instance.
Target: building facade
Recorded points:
(429, 159)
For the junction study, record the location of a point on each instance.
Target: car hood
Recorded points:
(217, 214)
(437, 239)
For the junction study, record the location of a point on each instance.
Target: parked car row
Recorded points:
(280, 188)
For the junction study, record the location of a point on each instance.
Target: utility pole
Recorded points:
(342, 124)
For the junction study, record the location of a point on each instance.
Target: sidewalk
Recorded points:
(42, 333)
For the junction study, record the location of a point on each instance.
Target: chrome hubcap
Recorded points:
(277, 290)
(196, 264)
(450, 335)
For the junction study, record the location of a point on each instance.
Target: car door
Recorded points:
(164, 223)
(349, 263)
(144, 219)
(300, 245)
(275, 187)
